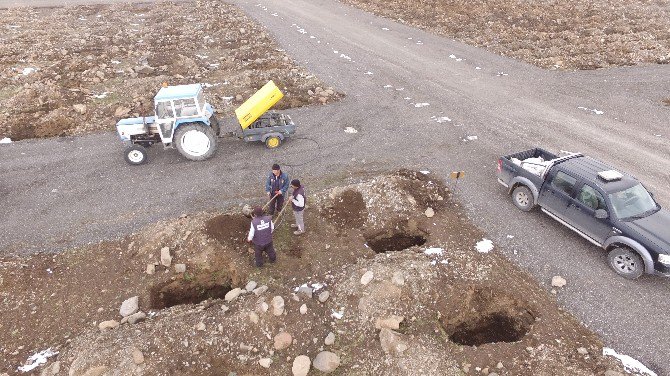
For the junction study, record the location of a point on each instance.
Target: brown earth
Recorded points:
(462, 311)
(570, 35)
(88, 66)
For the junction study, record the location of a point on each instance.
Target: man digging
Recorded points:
(260, 234)
(276, 186)
(298, 205)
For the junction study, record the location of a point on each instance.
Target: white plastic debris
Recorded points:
(29, 70)
(350, 130)
(419, 105)
(441, 119)
(597, 112)
(36, 360)
(425, 172)
(434, 251)
(6, 140)
(484, 246)
(470, 138)
(629, 364)
(338, 314)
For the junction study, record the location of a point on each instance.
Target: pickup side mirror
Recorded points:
(601, 214)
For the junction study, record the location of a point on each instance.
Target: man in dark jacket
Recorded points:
(276, 185)
(298, 203)
(260, 234)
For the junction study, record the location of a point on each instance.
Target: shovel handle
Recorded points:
(272, 199)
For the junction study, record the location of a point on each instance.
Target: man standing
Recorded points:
(260, 234)
(298, 204)
(276, 187)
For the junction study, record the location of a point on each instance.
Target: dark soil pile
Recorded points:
(347, 210)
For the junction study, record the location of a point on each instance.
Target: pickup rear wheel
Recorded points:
(523, 198)
(626, 262)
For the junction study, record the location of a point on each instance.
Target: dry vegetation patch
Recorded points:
(550, 34)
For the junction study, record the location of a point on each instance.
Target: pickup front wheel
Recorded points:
(523, 198)
(626, 262)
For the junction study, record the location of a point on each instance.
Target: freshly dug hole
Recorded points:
(178, 292)
(394, 242)
(482, 315)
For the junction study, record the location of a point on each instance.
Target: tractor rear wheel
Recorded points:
(135, 155)
(195, 141)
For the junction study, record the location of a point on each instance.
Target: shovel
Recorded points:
(246, 210)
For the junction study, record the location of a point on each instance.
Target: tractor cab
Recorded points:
(175, 105)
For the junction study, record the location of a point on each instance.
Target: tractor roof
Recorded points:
(179, 91)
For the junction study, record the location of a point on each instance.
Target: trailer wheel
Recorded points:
(272, 142)
(522, 198)
(135, 155)
(195, 141)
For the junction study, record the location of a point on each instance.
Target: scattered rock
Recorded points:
(301, 365)
(166, 259)
(250, 286)
(282, 341)
(121, 111)
(246, 211)
(138, 357)
(277, 306)
(398, 279)
(430, 213)
(558, 281)
(265, 362)
(260, 290)
(323, 296)
(303, 309)
(151, 269)
(108, 325)
(392, 342)
(253, 317)
(180, 268)
(330, 339)
(144, 69)
(136, 317)
(610, 372)
(80, 108)
(367, 277)
(96, 371)
(326, 361)
(582, 351)
(129, 306)
(233, 294)
(200, 326)
(391, 322)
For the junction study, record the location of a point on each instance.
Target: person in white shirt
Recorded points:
(298, 203)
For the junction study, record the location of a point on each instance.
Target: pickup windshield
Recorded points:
(631, 203)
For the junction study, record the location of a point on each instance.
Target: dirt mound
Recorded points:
(56, 79)
(451, 311)
(428, 192)
(347, 210)
(556, 35)
(228, 229)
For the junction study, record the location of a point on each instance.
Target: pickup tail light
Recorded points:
(499, 165)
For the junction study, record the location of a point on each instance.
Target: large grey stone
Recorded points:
(166, 259)
(301, 365)
(233, 294)
(282, 340)
(129, 306)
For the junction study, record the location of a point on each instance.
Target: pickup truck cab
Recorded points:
(611, 209)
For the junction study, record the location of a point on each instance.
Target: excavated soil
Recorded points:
(570, 35)
(455, 318)
(347, 210)
(79, 69)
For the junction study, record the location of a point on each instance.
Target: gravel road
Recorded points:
(417, 101)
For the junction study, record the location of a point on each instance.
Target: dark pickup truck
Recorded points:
(609, 208)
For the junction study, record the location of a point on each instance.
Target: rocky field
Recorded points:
(551, 34)
(75, 70)
(390, 279)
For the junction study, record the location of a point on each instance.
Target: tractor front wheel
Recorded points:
(135, 155)
(195, 141)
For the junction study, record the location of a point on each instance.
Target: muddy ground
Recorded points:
(374, 246)
(570, 35)
(76, 70)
